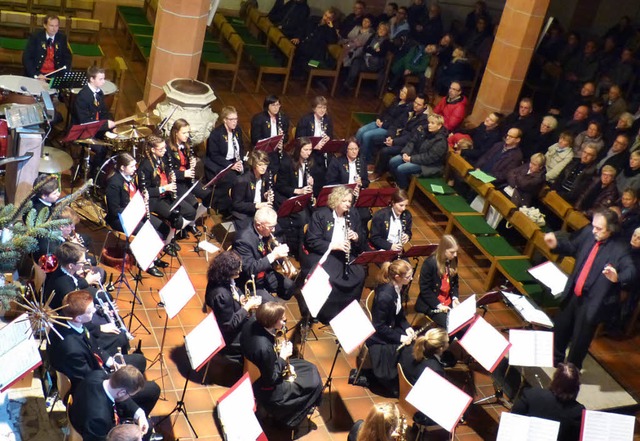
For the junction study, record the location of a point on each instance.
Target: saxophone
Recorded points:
(347, 254)
(285, 266)
(288, 373)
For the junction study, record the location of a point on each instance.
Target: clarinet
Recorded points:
(280, 146)
(305, 180)
(171, 175)
(190, 156)
(347, 254)
(145, 193)
(269, 192)
(403, 227)
(356, 191)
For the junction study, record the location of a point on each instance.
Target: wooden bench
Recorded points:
(323, 70)
(268, 62)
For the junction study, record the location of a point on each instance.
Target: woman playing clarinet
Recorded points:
(253, 190)
(439, 282)
(269, 123)
(389, 321)
(391, 226)
(335, 229)
(289, 389)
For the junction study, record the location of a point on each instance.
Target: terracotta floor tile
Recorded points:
(198, 400)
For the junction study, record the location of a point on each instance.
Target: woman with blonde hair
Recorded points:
(426, 352)
(439, 281)
(383, 423)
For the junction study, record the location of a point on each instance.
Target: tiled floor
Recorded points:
(349, 403)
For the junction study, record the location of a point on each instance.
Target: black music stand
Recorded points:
(379, 256)
(323, 197)
(329, 381)
(214, 181)
(71, 79)
(487, 299)
(269, 145)
(294, 205)
(334, 146)
(375, 197)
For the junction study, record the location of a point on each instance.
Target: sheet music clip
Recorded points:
(323, 197)
(375, 197)
(269, 145)
(218, 177)
(379, 256)
(83, 131)
(294, 205)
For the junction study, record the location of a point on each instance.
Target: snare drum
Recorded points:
(109, 88)
(118, 144)
(21, 90)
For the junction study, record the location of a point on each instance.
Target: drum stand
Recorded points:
(84, 201)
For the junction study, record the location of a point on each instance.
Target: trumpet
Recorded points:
(285, 264)
(111, 312)
(252, 282)
(288, 373)
(75, 238)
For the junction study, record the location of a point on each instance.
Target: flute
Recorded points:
(408, 341)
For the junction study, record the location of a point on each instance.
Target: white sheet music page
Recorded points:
(550, 276)
(177, 292)
(19, 352)
(316, 290)
(132, 214)
(531, 348)
(235, 410)
(352, 327)
(599, 426)
(523, 428)
(431, 385)
(203, 342)
(485, 343)
(146, 246)
(461, 314)
(528, 311)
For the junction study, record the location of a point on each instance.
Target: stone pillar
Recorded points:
(180, 28)
(515, 41)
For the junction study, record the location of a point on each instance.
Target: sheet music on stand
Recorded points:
(530, 348)
(177, 292)
(550, 276)
(203, 342)
(236, 412)
(132, 214)
(431, 385)
(598, 426)
(462, 314)
(485, 344)
(525, 428)
(19, 351)
(316, 290)
(146, 246)
(352, 327)
(71, 79)
(527, 310)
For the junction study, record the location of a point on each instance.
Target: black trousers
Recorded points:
(572, 329)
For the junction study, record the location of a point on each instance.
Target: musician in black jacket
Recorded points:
(185, 160)
(269, 123)
(224, 148)
(317, 123)
(439, 282)
(253, 190)
(47, 50)
(425, 352)
(336, 228)
(391, 226)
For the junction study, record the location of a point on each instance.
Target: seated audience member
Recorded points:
(597, 112)
(290, 17)
(429, 27)
(425, 157)
(102, 399)
(526, 181)
(525, 120)
(624, 126)
(383, 423)
(452, 107)
(313, 45)
(426, 352)
(354, 44)
(602, 193)
(583, 97)
(618, 155)
(620, 72)
(389, 12)
(616, 105)
(558, 403)
(458, 69)
(399, 31)
(502, 157)
(354, 19)
(395, 115)
(414, 62)
(399, 135)
(559, 156)
(231, 307)
(629, 211)
(629, 177)
(576, 176)
(459, 143)
(484, 136)
(372, 59)
(479, 38)
(480, 10)
(593, 135)
(578, 122)
(580, 68)
(540, 141)
(417, 12)
(391, 226)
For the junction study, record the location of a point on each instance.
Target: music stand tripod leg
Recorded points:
(329, 381)
(181, 407)
(133, 315)
(160, 359)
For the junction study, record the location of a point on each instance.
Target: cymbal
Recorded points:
(54, 160)
(91, 141)
(132, 131)
(147, 120)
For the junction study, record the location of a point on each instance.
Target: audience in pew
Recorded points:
(601, 193)
(524, 119)
(542, 139)
(577, 175)
(629, 176)
(525, 182)
(593, 135)
(559, 156)
(483, 136)
(502, 157)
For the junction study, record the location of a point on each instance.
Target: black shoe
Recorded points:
(194, 230)
(160, 263)
(155, 272)
(171, 250)
(182, 234)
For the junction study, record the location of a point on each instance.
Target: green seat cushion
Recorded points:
(211, 46)
(215, 57)
(256, 51)
(130, 10)
(14, 44)
(454, 204)
(143, 40)
(140, 29)
(426, 183)
(235, 21)
(364, 118)
(518, 270)
(476, 225)
(247, 37)
(541, 296)
(86, 50)
(136, 20)
(497, 246)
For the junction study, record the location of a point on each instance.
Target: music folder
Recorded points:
(598, 426)
(19, 351)
(485, 343)
(203, 342)
(526, 428)
(530, 348)
(132, 214)
(146, 246)
(219, 176)
(527, 309)
(352, 327)
(550, 276)
(461, 315)
(419, 251)
(321, 201)
(380, 256)
(177, 292)
(269, 145)
(236, 412)
(375, 197)
(294, 205)
(83, 131)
